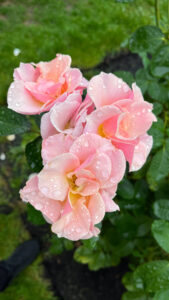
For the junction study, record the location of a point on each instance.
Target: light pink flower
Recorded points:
(122, 116)
(75, 188)
(68, 117)
(37, 87)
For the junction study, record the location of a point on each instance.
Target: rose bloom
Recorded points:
(67, 117)
(37, 87)
(76, 186)
(122, 116)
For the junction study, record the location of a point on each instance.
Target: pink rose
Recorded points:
(76, 186)
(122, 116)
(68, 117)
(37, 87)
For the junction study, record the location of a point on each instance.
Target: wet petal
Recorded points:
(105, 89)
(49, 207)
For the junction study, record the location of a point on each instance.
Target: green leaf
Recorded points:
(157, 91)
(127, 281)
(68, 244)
(12, 123)
(95, 259)
(162, 295)
(126, 76)
(56, 246)
(159, 167)
(146, 39)
(34, 216)
(152, 276)
(163, 191)
(142, 79)
(160, 62)
(157, 131)
(33, 154)
(141, 190)
(161, 209)
(160, 230)
(125, 189)
(157, 108)
(91, 243)
(135, 296)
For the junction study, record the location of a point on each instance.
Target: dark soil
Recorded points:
(74, 281)
(124, 61)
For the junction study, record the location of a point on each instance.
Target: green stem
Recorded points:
(157, 12)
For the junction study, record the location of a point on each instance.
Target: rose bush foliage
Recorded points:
(91, 142)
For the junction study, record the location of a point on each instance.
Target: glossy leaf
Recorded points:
(135, 296)
(146, 39)
(152, 276)
(12, 122)
(160, 62)
(33, 154)
(159, 167)
(157, 91)
(162, 295)
(34, 216)
(157, 132)
(160, 230)
(125, 189)
(161, 209)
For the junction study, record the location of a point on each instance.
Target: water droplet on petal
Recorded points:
(38, 206)
(44, 190)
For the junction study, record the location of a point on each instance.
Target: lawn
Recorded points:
(85, 29)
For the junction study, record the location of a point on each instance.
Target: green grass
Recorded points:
(85, 29)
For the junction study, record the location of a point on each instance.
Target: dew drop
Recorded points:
(38, 206)
(45, 190)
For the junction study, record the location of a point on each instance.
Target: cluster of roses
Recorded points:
(86, 143)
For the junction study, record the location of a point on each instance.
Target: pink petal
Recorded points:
(20, 100)
(87, 186)
(94, 231)
(96, 208)
(99, 116)
(43, 91)
(83, 84)
(73, 78)
(66, 109)
(105, 89)
(136, 122)
(87, 145)
(141, 151)
(74, 225)
(100, 166)
(26, 72)
(110, 205)
(54, 69)
(55, 145)
(137, 94)
(52, 178)
(126, 146)
(46, 127)
(49, 207)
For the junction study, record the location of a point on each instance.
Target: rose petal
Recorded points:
(105, 89)
(49, 207)
(74, 225)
